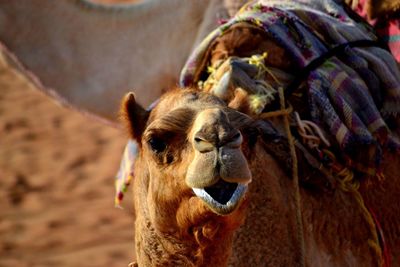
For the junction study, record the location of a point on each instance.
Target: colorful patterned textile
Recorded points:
(389, 31)
(125, 173)
(349, 96)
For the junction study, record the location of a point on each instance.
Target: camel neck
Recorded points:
(155, 248)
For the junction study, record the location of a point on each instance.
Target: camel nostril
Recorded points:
(235, 141)
(202, 145)
(198, 139)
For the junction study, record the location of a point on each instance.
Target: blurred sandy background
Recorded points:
(57, 172)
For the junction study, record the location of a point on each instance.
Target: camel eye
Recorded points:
(157, 144)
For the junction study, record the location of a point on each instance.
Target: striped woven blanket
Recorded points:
(351, 96)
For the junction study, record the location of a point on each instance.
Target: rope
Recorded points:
(299, 219)
(342, 176)
(310, 132)
(276, 113)
(346, 182)
(387, 259)
(312, 136)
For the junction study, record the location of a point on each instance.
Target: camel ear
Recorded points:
(134, 116)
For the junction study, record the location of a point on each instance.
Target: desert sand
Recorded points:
(57, 172)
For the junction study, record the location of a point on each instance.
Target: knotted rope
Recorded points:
(346, 182)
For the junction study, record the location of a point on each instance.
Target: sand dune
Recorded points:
(56, 183)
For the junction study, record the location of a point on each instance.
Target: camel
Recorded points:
(232, 170)
(86, 55)
(248, 199)
(208, 193)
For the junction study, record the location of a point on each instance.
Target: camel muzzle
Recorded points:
(219, 173)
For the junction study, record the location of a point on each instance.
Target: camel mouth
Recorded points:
(222, 197)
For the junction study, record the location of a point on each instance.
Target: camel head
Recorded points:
(194, 146)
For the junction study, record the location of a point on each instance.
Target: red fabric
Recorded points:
(387, 29)
(390, 32)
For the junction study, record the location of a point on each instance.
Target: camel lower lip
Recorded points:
(222, 208)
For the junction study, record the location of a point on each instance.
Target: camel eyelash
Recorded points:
(160, 149)
(157, 145)
(159, 140)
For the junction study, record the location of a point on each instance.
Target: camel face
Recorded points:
(195, 148)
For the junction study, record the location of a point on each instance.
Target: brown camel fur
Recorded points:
(176, 227)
